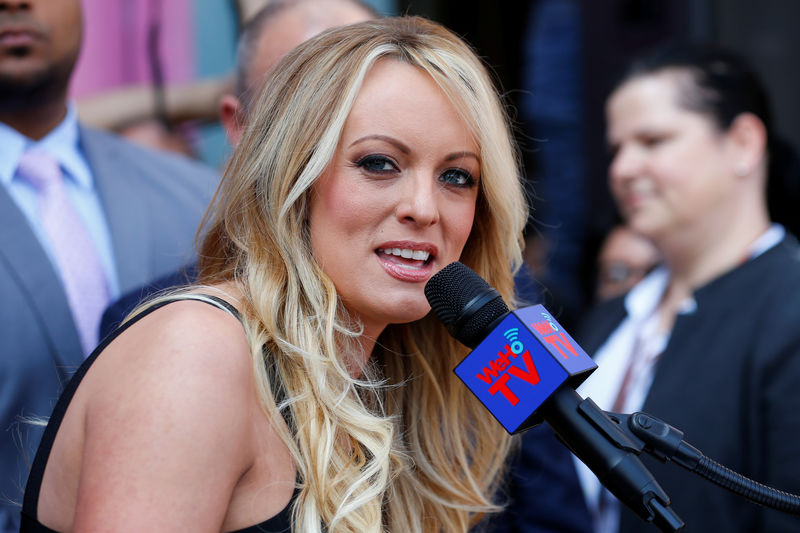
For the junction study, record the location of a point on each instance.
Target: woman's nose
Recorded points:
(418, 201)
(625, 164)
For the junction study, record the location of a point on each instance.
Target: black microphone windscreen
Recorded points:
(464, 302)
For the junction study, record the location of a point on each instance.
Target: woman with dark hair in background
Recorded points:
(710, 340)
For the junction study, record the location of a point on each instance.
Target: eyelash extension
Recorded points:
(470, 179)
(364, 161)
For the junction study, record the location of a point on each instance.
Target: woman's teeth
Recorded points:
(405, 253)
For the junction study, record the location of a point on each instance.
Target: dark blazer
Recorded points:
(729, 378)
(116, 312)
(153, 203)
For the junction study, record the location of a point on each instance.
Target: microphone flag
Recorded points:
(520, 364)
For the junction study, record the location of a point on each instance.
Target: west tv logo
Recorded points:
(499, 371)
(520, 364)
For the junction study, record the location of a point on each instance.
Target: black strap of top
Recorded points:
(31, 499)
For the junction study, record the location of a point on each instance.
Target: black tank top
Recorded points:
(279, 523)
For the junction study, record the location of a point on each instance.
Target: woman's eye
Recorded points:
(651, 141)
(376, 163)
(458, 177)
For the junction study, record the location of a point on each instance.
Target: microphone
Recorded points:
(524, 368)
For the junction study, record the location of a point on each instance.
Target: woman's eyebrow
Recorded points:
(459, 155)
(385, 138)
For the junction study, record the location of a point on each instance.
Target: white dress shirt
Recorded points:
(63, 144)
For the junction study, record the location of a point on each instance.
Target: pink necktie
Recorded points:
(76, 257)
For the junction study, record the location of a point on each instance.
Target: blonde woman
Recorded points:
(315, 393)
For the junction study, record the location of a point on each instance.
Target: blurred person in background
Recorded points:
(268, 35)
(708, 341)
(625, 258)
(85, 217)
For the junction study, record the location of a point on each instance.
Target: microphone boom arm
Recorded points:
(640, 431)
(611, 455)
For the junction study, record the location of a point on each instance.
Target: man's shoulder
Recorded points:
(99, 144)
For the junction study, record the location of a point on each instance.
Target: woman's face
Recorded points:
(671, 166)
(397, 201)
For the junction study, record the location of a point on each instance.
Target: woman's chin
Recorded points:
(410, 313)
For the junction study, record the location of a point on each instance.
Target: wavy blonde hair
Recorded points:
(405, 447)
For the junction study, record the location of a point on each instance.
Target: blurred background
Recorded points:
(555, 60)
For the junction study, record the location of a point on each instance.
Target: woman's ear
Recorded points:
(748, 138)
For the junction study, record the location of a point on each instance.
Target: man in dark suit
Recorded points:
(265, 38)
(133, 212)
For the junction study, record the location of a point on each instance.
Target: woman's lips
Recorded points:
(405, 269)
(635, 195)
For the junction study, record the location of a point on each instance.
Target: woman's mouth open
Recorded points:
(406, 264)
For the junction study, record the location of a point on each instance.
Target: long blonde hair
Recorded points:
(405, 447)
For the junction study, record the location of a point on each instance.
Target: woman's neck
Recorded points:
(697, 257)
(700, 254)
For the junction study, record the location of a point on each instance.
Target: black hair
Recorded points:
(722, 85)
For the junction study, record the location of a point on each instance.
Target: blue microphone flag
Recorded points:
(520, 364)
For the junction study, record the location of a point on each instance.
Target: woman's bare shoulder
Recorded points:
(186, 335)
(169, 410)
(187, 359)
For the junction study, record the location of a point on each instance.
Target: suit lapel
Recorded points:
(124, 209)
(23, 256)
